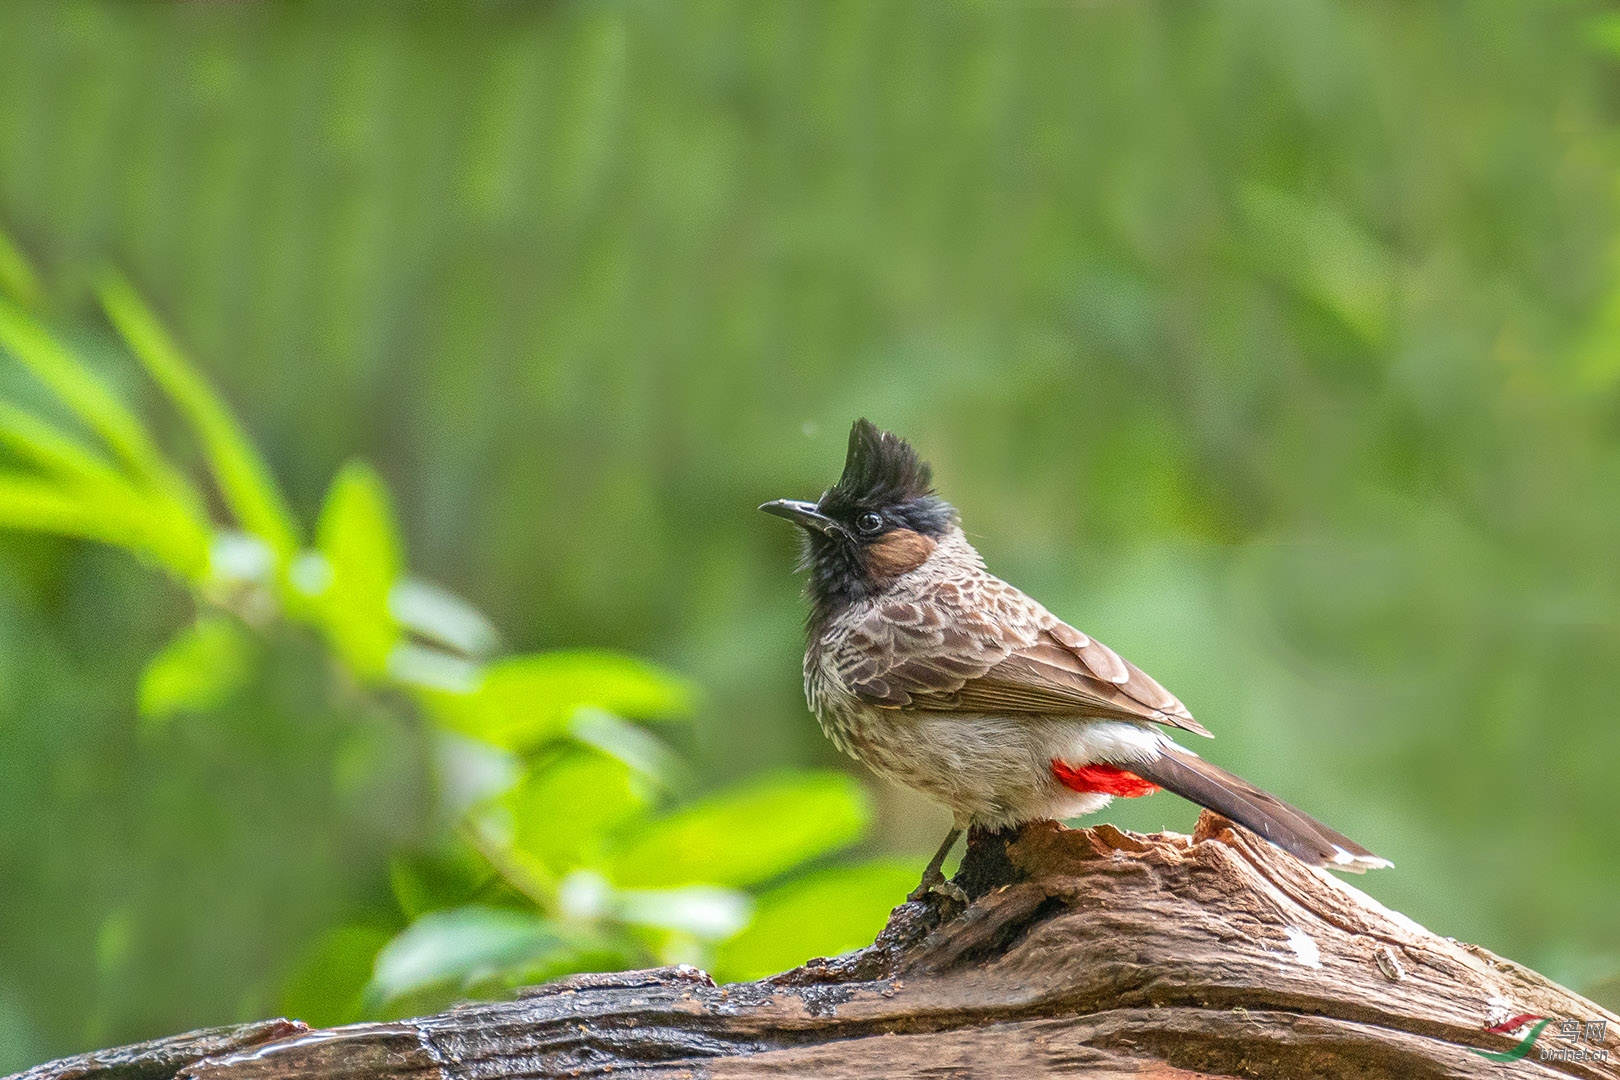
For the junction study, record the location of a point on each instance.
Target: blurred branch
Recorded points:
(1086, 952)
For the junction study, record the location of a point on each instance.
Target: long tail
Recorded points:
(1263, 813)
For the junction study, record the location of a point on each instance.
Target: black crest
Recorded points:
(881, 470)
(885, 481)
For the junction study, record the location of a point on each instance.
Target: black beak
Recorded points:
(801, 513)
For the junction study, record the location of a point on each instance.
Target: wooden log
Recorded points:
(1084, 952)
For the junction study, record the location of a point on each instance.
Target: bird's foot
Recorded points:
(937, 884)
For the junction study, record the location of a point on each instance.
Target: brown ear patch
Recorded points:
(896, 553)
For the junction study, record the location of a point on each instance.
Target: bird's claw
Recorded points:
(938, 885)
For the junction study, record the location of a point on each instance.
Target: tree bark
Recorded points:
(1086, 952)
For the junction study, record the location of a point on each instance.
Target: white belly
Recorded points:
(996, 771)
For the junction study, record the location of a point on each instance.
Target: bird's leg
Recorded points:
(933, 880)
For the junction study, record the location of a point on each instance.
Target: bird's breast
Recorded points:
(840, 713)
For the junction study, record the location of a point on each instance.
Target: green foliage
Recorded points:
(572, 857)
(198, 671)
(77, 493)
(1277, 344)
(524, 702)
(243, 478)
(1331, 261)
(601, 793)
(745, 836)
(462, 947)
(17, 277)
(828, 912)
(329, 985)
(26, 339)
(359, 565)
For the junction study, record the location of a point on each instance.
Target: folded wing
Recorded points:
(1006, 655)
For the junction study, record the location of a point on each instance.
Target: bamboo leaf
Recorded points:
(35, 505)
(80, 389)
(55, 451)
(158, 514)
(158, 522)
(166, 526)
(244, 480)
(119, 517)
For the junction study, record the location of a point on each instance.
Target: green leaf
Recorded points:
(35, 505)
(526, 701)
(645, 753)
(706, 912)
(436, 613)
(244, 481)
(160, 515)
(199, 670)
(168, 528)
(446, 877)
(457, 947)
(54, 451)
(745, 835)
(566, 808)
(17, 277)
(357, 538)
(143, 520)
(81, 390)
(325, 989)
(822, 914)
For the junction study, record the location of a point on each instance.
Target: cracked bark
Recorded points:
(1087, 952)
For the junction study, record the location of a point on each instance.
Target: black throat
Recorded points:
(837, 576)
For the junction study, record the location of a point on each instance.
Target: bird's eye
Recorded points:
(869, 522)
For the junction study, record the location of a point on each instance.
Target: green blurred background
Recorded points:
(1275, 343)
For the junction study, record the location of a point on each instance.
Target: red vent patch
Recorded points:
(1101, 780)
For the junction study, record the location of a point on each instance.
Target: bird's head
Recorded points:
(880, 521)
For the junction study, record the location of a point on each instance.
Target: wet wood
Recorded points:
(162, 1059)
(1087, 952)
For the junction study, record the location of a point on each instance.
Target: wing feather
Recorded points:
(1003, 653)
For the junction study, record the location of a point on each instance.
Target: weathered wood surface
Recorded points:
(1087, 952)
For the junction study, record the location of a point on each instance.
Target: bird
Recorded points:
(937, 674)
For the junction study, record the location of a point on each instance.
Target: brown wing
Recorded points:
(996, 650)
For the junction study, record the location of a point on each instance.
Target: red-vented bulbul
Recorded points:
(933, 671)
